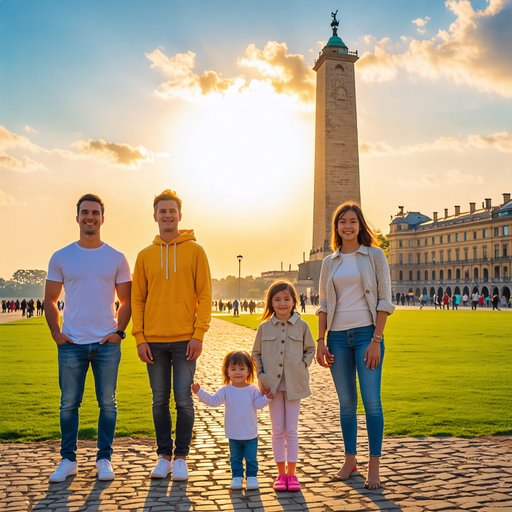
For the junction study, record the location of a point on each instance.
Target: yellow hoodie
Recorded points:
(171, 291)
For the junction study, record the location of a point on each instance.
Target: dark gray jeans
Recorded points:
(171, 366)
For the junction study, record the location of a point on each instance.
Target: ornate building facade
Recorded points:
(461, 253)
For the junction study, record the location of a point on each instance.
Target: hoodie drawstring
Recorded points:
(161, 257)
(166, 262)
(167, 259)
(175, 257)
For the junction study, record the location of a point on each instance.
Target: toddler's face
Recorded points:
(238, 374)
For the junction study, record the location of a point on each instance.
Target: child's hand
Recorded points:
(263, 389)
(195, 387)
(269, 395)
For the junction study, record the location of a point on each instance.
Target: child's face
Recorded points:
(282, 302)
(238, 374)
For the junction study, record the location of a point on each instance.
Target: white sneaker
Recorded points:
(252, 483)
(105, 471)
(66, 468)
(180, 470)
(163, 468)
(237, 482)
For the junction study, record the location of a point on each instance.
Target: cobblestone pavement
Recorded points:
(428, 474)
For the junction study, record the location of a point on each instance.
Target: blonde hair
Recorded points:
(167, 195)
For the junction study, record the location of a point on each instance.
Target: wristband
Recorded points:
(323, 339)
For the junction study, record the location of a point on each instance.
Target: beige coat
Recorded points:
(287, 346)
(374, 269)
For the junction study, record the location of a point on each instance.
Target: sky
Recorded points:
(216, 100)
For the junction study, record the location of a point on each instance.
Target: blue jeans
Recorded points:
(171, 367)
(74, 362)
(240, 450)
(348, 348)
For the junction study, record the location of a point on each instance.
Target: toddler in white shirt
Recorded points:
(242, 399)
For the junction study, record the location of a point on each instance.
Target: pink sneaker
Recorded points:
(280, 483)
(293, 483)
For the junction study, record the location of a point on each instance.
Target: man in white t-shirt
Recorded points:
(91, 273)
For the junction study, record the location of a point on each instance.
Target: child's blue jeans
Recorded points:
(240, 450)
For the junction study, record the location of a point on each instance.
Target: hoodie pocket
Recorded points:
(168, 319)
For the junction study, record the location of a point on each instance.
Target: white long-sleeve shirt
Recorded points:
(240, 417)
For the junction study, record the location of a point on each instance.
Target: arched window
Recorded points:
(457, 274)
(475, 273)
(449, 273)
(410, 275)
(418, 275)
(433, 275)
(441, 274)
(401, 276)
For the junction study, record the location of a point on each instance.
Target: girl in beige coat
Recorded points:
(283, 350)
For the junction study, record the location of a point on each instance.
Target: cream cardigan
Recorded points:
(374, 269)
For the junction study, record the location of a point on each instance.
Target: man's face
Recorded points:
(89, 217)
(167, 216)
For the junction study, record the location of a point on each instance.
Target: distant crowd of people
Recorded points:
(445, 301)
(235, 306)
(27, 307)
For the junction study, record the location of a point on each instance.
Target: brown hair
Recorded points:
(276, 287)
(90, 197)
(240, 357)
(366, 235)
(167, 195)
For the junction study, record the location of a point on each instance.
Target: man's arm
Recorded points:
(51, 296)
(124, 291)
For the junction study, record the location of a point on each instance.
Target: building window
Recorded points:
(426, 241)
(484, 233)
(400, 243)
(418, 276)
(449, 274)
(426, 275)
(475, 273)
(456, 237)
(466, 273)
(449, 238)
(409, 259)
(496, 251)
(418, 258)
(426, 257)
(401, 276)
(474, 235)
(441, 239)
(441, 275)
(456, 254)
(496, 231)
(433, 240)
(433, 275)
(418, 242)
(475, 253)
(505, 230)
(433, 257)
(457, 274)
(505, 271)
(441, 256)
(466, 254)
(410, 243)
(399, 227)
(400, 259)
(485, 254)
(505, 251)
(410, 275)
(497, 272)
(465, 236)
(449, 255)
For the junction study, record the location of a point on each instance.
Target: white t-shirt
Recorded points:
(352, 309)
(240, 417)
(89, 277)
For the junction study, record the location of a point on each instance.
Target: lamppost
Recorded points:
(239, 277)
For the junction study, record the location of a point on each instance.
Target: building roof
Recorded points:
(411, 218)
(336, 41)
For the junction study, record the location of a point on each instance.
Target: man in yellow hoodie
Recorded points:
(171, 310)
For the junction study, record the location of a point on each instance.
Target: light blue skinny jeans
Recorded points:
(74, 362)
(348, 348)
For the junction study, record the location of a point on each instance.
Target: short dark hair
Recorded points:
(90, 197)
(240, 357)
(167, 195)
(366, 236)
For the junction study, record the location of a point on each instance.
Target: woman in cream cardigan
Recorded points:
(355, 301)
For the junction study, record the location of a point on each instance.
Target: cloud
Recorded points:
(183, 82)
(501, 141)
(285, 73)
(111, 153)
(474, 51)
(120, 155)
(421, 22)
(453, 177)
(6, 200)
(29, 129)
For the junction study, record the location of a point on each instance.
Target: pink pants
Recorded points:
(284, 415)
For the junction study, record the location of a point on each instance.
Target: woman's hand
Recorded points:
(323, 356)
(372, 355)
(263, 390)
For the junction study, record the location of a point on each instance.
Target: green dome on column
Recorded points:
(336, 41)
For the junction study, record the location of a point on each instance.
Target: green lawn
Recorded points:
(445, 372)
(30, 395)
